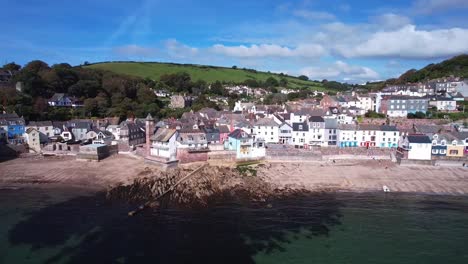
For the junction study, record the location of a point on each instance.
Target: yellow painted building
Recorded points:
(455, 150)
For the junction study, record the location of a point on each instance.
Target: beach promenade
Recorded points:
(346, 175)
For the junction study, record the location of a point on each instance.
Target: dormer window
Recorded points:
(443, 143)
(434, 142)
(454, 142)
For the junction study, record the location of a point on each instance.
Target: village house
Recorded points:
(285, 134)
(63, 100)
(463, 137)
(31, 136)
(443, 103)
(347, 135)
(267, 130)
(132, 133)
(192, 145)
(45, 128)
(331, 132)
(164, 144)
(316, 131)
(439, 146)
(245, 146)
(401, 106)
(97, 136)
(329, 101)
(300, 134)
(115, 130)
(79, 128)
(212, 134)
(15, 126)
(223, 133)
(180, 101)
(417, 146)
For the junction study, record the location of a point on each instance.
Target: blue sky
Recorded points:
(353, 41)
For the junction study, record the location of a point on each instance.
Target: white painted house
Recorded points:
(316, 131)
(164, 144)
(266, 129)
(419, 147)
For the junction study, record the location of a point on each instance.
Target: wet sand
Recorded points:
(356, 176)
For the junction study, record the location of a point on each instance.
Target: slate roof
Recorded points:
(266, 122)
(388, 128)
(331, 123)
(428, 129)
(40, 123)
(223, 129)
(316, 119)
(369, 127)
(163, 134)
(423, 139)
(238, 134)
(299, 127)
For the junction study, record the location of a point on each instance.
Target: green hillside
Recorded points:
(456, 66)
(210, 74)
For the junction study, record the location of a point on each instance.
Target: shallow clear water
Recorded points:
(74, 226)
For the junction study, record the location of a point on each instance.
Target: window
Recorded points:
(300, 127)
(453, 152)
(272, 133)
(435, 151)
(303, 134)
(301, 140)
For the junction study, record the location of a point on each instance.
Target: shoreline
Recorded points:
(350, 176)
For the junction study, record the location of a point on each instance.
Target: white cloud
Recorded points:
(391, 21)
(179, 50)
(410, 43)
(135, 51)
(434, 6)
(270, 50)
(341, 71)
(313, 15)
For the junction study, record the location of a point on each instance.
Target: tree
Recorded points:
(303, 77)
(283, 82)
(13, 67)
(251, 83)
(217, 88)
(234, 67)
(271, 82)
(180, 81)
(36, 66)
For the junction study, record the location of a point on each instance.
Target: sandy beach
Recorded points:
(358, 176)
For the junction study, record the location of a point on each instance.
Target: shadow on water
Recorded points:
(224, 232)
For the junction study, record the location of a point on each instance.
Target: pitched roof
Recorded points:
(266, 122)
(300, 127)
(388, 128)
(163, 134)
(419, 139)
(331, 123)
(223, 129)
(317, 119)
(238, 134)
(40, 123)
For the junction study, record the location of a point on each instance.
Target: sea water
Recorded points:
(77, 226)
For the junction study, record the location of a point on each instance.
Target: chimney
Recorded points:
(149, 129)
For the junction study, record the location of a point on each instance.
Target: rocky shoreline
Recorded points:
(209, 185)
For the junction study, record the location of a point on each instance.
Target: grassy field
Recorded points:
(209, 74)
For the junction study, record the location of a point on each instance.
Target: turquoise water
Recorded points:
(75, 226)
